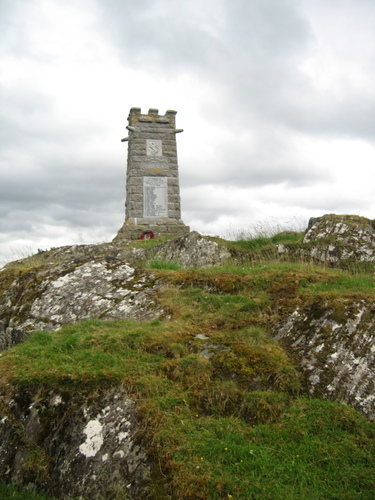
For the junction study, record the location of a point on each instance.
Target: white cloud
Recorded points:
(276, 99)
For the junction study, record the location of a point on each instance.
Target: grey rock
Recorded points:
(193, 250)
(94, 282)
(208, 351)
(343, 237)
(334, 240)
(74, 447)
(79, 288)
(334, 342)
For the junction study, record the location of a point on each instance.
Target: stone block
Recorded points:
(173, 197)
(173, 214)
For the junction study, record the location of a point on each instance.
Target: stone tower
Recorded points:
(152, 183)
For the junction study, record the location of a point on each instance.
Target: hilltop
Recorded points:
(192, 367)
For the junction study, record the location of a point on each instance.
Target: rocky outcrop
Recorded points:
(334, 240)
(49, 296)
(334, 343)
(346, 237)
(72, 447)
(79, 444)
(70, 284)
(192, 250)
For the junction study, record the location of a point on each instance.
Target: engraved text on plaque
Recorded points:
(155, 197)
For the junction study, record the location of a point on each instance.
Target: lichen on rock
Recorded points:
(48, 297)
(84, 442)
(334, 240)
(192, 250)
(74, 447)
(346, 236)
(334, 342)
(71, 284)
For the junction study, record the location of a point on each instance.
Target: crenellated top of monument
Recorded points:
(136, 116)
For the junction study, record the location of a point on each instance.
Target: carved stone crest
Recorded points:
(153, 147)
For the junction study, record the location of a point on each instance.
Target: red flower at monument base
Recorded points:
(147, 235)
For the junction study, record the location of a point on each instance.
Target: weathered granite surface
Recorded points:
(80, 287)
(334, 239)
(192, 250)
(79, 447)
(94, 282)
(334, 341)
(88, 447)
(346, 236)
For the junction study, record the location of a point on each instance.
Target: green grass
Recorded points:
(91, 353)
(11, 492)
(216, 310)
(231, 426)
(82, 354)
(317, 450)
(340, 283)
(150, 243)
(219, 401)
(34, 261)
(261, 242)
(29, 261)
(162, 265)
(258, 280)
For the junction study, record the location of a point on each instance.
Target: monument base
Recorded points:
(133, 228)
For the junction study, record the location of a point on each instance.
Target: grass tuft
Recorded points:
(162, 265)
(12, 492)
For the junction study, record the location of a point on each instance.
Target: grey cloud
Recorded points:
(250, 49)
(247, 52)
(73, 196)
(91, 186)
(281, 93)
(55, 221)
(190, 34)
(267, 159)
(40, 168)
(255, 171)
(353, 117)
(28, 119)
(14, 35)
(163, 34)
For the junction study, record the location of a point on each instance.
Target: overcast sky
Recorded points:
(276, 99)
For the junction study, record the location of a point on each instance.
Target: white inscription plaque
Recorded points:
(153, 147)
(155, 197)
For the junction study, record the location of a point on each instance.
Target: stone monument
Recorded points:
(152, 185)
